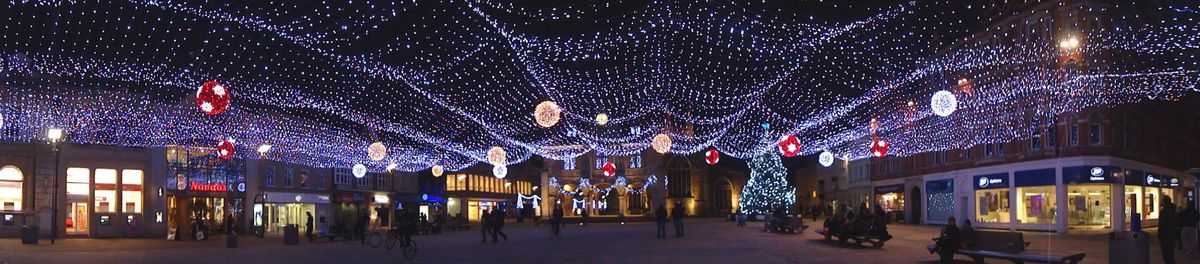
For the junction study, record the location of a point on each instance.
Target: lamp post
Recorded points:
(55, 136)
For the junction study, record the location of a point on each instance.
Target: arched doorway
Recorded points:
(724, 196)
(916, 211)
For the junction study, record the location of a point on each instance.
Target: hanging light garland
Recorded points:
(497, 156)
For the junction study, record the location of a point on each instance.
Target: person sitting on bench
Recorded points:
(879, 227)
(948, 242)
(968, 234)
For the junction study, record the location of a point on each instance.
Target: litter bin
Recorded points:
(1129, 247)
(291, 235)
(29, 235)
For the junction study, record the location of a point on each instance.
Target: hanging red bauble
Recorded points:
(225, 149)
(609, 169)
(212, 98)
(879, 147)
(789, 145)
(712, 157)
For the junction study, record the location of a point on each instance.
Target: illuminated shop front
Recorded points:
(471, 194)
(1143, 194)
(992, 198)
(279, 209)
(203, 191)
(1089, 195)
(890, 198)
(98, 198)
(1036, 198)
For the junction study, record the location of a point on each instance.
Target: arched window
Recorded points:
(11, 188)
(679, 177)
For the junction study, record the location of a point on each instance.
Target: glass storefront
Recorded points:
(1089, 195)
(1036, 196)
(110, 193)
(940, 197)
(991, 198)
(890, 198)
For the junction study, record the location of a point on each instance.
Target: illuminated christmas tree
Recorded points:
(767, 187)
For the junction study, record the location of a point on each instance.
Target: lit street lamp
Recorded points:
(55, 136)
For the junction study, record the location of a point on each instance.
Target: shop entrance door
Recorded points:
(77, 219)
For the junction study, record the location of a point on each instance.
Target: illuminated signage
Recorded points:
(209, 187)
(985, 181)
(1097, 174)
(1151, 180)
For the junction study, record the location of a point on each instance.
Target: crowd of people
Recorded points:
(845, 223)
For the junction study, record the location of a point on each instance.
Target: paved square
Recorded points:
(706, 241)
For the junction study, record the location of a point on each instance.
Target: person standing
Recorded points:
(1187, 224)
(485, 224)
(660, 216)
(556, 220)
(677, 217)
(1168, 224)
(498, 225)
(308, 227)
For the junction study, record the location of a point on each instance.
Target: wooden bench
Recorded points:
(794, 225)
(876, 241)
(458, 223)
(1011, 246)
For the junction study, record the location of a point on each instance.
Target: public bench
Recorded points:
(793, 225)
(876, 241)
(1011, 246)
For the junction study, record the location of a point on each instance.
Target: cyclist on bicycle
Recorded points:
(408, 225)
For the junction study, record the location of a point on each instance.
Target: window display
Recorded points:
(131, 190)
(105, 195)
(1036, 205)
(993, 206)
(1089, 204)
(11, 188)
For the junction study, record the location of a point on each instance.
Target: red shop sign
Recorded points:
(209, 187)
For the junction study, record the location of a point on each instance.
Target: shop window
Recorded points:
(78, 181)
(131, 190)
(988, 150)
(1036, 205)
(105, 195)
(1094, 134)
(11, 180)
(269, 176)
(288, 175)
(993, 206)
(1089, 204)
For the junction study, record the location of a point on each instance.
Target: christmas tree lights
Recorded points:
(767, 187)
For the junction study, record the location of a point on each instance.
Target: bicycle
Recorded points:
(409, 246)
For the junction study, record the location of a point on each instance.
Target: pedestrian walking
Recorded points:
(485, 223)
(556, 220)
(1187, 225)
(660, 217)
(308, 227)
(498, 225)
(677, 217)
(1168, 224)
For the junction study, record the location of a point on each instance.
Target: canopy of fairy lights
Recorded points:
(410, 85)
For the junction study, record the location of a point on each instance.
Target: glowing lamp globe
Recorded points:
(437, 170)
(359, 170)
(377, 151)
(500, 171)
(943, 103)
(547, 113)
(602, 119)
(497, 156)
(789, 146)
(826, 159)
(661, 143)
(212, 98)
(225, 149)
(712, 157)
(609, 169)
